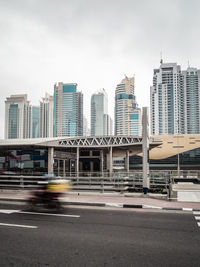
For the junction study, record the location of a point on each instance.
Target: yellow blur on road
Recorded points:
(59, 186)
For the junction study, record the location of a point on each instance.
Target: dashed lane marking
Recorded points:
(50, 214)
(8, 211)
(18, 225)
(38, 213)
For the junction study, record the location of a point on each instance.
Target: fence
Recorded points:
(105, 182)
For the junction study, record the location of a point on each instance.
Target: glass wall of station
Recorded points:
(32, 160)
(65, 162)
(23, 160)
(189, 160)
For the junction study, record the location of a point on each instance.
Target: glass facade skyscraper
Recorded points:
(165, 99)
(68, 110)
(46, 116)
(100, 120)
(86, 130)
(17, 117)
(127, 113)
(79, 118)
(175, 100)
(191, 101)
(13, 121)
(35, 116)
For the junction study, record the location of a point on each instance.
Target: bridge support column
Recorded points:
(77, 162)
(111, 161)
(64, 166)
(50, 160)
(58, 167)
(80, 166)
(145, 149)
(91, 166)
(101, 164)
(127, 160)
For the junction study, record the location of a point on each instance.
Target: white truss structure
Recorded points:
(103, 141)
(89, 141)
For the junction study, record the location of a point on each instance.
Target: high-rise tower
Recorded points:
(100, 120)
(46, 116)
(191, 101)
(17, 117)
(127, 114)
(165, 99)
(175, 100)
(35, 121)
(68, 110)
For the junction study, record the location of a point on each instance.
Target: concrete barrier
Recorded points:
(187, 192)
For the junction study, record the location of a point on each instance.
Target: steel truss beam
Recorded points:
(104, 141)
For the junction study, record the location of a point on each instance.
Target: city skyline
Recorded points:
(170, 85)
(92, 46)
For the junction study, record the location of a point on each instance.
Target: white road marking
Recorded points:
(196, 212)
(50, 214)
(187, 209)
(39, 213)
(18, 225)
(8, 211)
(197, 217)
(151, 207)
(118, 205)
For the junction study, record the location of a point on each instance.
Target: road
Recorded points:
(98, 237)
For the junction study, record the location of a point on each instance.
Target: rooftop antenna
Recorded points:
(161, 60)
(188, 64)
(125, 76)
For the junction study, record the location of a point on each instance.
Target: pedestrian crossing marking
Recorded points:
(197, 218)
(196, 212)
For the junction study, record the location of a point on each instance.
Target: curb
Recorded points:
(150, 207)
(116, 205)
(12, 199)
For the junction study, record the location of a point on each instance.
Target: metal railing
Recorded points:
(106, 182)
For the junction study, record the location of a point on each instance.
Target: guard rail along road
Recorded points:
(160, 181)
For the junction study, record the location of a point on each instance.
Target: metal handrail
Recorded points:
(116, 181)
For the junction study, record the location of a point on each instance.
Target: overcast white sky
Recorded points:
(92, 43)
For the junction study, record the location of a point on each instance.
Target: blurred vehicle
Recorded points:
(48, 194)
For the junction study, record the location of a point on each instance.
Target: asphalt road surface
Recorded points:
(98, 237)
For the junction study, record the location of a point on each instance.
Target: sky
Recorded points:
(93, 43)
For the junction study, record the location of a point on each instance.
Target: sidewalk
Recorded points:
(136, 200)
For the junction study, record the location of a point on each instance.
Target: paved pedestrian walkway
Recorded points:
(135, 200)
